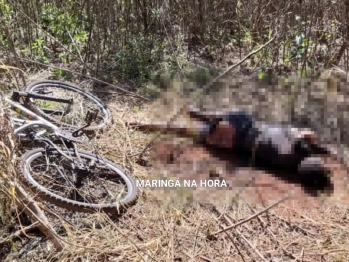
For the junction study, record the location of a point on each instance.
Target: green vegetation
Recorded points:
(151, 42)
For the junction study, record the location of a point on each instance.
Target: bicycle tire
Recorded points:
(57, 183)
(105, 118)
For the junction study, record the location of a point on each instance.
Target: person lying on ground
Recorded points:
(269, 145)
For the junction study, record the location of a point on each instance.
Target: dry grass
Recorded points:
(7, 160)
(170, 226)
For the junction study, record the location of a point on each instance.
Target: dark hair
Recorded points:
(212, 127)
(315, 176)
(241, 121)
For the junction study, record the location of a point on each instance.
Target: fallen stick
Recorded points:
(251, 217)
(251, 246)
(18, 233)
(12, 189)
(30, 207)
(243, 60)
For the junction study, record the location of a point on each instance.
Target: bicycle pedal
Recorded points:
(91, 116)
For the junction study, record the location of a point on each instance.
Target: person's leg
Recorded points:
(194, 129)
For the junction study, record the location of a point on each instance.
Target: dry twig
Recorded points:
(253, 216)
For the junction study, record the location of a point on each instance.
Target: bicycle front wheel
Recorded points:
(63, 114)
(61, 180)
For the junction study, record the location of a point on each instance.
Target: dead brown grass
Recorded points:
(178, 225)
(152, 232)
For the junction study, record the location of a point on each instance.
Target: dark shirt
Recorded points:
(279, 146)
(244, 126)
(275, 145)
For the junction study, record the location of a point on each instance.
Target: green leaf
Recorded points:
(263, 76)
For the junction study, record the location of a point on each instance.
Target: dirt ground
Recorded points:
(258, 186)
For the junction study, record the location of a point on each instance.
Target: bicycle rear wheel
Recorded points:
(103, 186)
(61, 113)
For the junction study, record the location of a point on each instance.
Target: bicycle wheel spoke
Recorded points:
(76, 183)
(51, 176)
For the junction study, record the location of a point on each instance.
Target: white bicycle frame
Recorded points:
(33, 120)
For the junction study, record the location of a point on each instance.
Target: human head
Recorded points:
(221, 135)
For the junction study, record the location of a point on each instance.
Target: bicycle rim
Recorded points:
(75, 116)
(107, 188)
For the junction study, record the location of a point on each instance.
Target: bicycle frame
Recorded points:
(33, 119)
(17, 95)
(36, 120)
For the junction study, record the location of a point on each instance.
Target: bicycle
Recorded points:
(57, 171)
